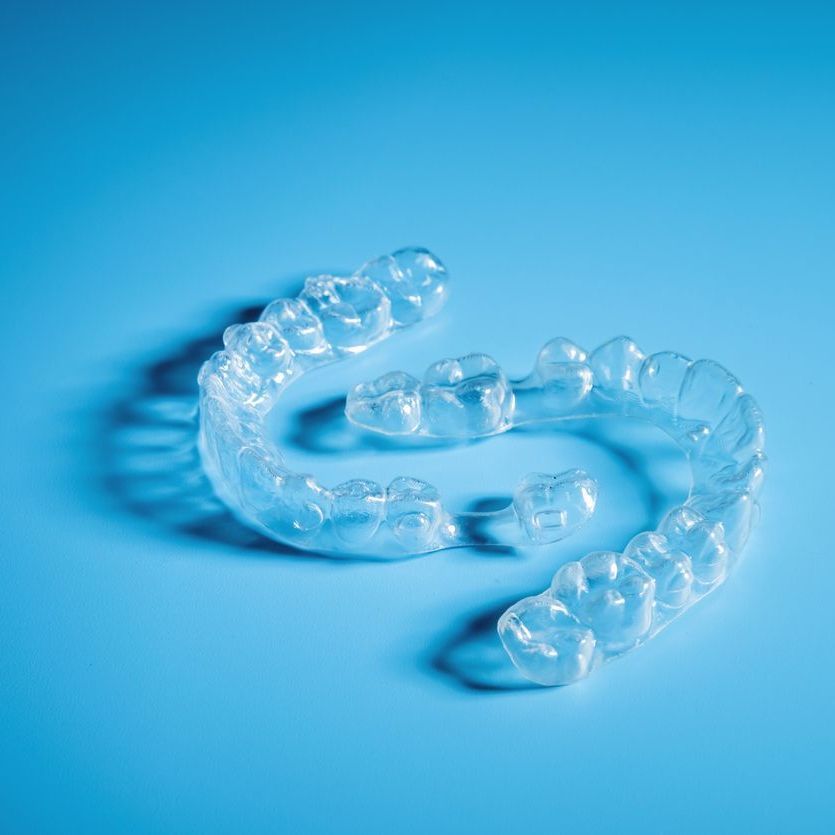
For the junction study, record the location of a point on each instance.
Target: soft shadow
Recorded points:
(471, 655)
(476, 529)
(145, 445)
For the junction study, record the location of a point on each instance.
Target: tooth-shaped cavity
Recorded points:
(708, 392)
(298, 326)
(260, 473)
(551, 507)
(638, 593)
(414, 514)
(221, 432)
(609, 593)
(546, 642)
(703, 540)
(564, 374)
(354, 311)
(466, 396)
(741, 433)
(569, 584)
(671, 569)
(238, 382)
(261, 347)
(245, 417)
(616, 366)
(391, 404)
(740, 478)
(300, 509)
(359, 507)
(425, 275)
(415, 281)
(661, 378)
(736, 512)
(618, 601)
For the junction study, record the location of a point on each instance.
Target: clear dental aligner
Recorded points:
(596, 608)
(331, 319)
(606, 603)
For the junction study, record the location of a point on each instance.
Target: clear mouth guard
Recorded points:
(597, 608)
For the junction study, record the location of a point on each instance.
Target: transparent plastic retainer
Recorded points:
(597, 608)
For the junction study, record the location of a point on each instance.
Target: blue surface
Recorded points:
(586, 171)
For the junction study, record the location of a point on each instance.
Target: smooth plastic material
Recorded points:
(596, 608)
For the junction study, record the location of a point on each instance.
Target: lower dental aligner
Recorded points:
(597, 608)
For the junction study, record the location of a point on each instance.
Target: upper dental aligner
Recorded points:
(606, 603)
(335, 317)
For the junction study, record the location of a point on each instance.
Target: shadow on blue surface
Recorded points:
(472, 657)
(147, 453)
(147, 461)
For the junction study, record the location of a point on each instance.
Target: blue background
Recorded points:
(583, 169)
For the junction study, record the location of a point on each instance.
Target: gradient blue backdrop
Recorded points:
(584, 169)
